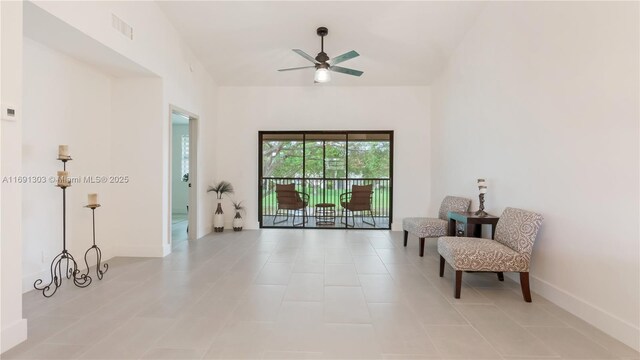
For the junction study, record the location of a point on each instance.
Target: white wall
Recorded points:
(136, 151)
(243, 111)
(184, 83)
(13, 328)
(78, 114)
(140, 110)
(179, 188)
(542, 100)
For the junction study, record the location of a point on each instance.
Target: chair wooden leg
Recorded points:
(500, 276)
(458, 284)
(406, 236)
(441, 266)
(524, 284)
(421, 247)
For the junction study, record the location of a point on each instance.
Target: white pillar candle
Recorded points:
(63, 178)
(483, 190)
(63, 151)
(92, 199)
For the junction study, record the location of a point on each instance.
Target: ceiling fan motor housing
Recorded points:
(322, 57)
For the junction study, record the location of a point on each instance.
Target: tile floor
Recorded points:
(298, 294)
(179, 224)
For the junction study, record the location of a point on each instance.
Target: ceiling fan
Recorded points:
(323, 64)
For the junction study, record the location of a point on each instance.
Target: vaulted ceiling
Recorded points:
(243, 43)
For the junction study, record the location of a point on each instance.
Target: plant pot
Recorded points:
(237, 222)
(218, 219)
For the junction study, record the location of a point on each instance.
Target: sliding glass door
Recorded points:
(325, 179)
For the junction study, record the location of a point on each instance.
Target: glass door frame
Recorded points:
(304, 133)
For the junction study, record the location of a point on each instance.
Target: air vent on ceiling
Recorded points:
(122, 26)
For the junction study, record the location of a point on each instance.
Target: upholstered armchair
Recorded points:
(509, 252)
(434, 227)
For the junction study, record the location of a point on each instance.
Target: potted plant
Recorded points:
(221, 188)
(237, 220)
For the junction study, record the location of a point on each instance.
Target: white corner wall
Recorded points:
(137, 137)
(243, 111)
(137, 152)
(185, 83)
(13, 328)
(542, 99)
(77, 113)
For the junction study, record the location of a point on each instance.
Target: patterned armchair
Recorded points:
(510, 251)
(434, 227)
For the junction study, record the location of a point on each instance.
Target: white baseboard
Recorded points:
(143, 251)
(166, 250)
(13, 335)
(612, 325)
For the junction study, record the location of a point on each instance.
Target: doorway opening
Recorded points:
(325, 179)
(183, 175)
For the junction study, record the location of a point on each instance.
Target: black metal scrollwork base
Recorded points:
(63, 265)
(100, 271)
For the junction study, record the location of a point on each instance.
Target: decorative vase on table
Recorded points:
(218, 219)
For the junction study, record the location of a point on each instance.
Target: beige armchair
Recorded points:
(509, 252)
(434, 227)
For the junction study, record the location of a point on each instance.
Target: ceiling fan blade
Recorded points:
(297, 68)
(344, 57)
(347, 71)
(305, 55)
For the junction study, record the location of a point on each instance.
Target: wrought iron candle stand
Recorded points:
(99, 271)
(63, 259)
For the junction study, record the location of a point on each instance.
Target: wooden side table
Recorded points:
(325, 214)
(473, 223)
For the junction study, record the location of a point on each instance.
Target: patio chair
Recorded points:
(434, 227)
(510, 251)
(357, 200)
(290, 200)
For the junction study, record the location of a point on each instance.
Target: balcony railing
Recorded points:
(328, 190)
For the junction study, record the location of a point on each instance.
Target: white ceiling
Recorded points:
(243, 43)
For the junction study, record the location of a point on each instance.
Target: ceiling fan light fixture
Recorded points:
(323, 63)
(322, 75)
